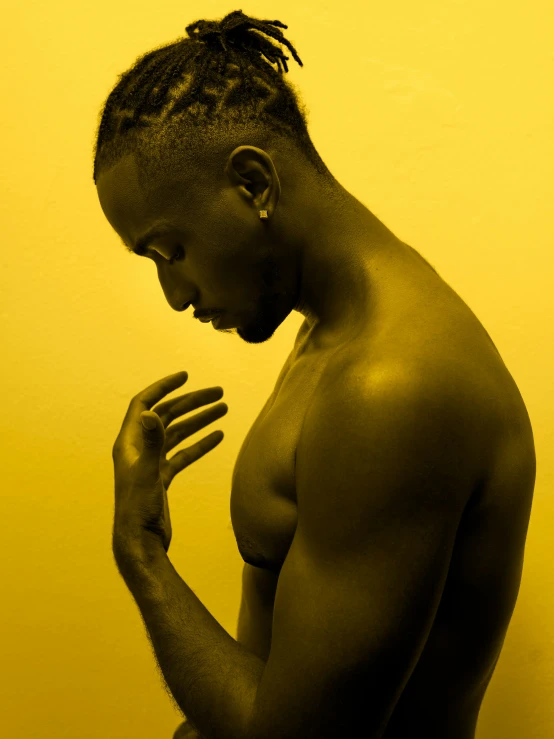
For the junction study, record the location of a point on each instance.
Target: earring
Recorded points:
(263, 214)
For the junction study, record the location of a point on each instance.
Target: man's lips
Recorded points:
(207, 319)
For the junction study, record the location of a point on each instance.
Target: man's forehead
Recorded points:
(131, 211)
(120, 183)
(123, 201)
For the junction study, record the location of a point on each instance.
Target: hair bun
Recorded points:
(236, 29)
(206, 31)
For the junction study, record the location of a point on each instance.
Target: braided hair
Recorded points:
(199, 94)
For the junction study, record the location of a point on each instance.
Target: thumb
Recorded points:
(153, 434)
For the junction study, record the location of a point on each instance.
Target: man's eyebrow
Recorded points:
(144, 240)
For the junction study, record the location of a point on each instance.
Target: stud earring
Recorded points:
(263, 214)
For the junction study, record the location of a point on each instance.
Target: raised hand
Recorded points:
(141, 468)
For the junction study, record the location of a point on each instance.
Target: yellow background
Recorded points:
(438, 115)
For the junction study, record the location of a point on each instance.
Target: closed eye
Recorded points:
(179, 254)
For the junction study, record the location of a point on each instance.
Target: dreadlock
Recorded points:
(199, 93)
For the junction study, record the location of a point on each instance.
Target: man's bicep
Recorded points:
(382, 482)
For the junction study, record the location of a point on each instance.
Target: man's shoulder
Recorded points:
(358, 381)
(363, 381)
(420, 413)
(358, 366)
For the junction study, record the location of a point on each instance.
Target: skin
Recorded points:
(318, 252)
(321, 252)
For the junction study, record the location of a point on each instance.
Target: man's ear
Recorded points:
(253, 170)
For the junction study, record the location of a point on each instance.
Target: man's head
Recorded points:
(213, 251)
(198, 136)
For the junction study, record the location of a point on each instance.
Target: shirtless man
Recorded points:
(406, 565)
(378, 320)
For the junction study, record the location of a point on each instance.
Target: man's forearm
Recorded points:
(212, 677)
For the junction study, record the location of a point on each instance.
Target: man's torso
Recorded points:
(434, 331)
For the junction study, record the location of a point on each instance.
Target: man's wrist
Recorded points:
(137, 553)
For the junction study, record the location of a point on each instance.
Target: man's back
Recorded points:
(420, 323)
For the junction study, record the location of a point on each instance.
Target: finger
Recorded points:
(144, 400)
(187, 456)
(152, 447)
(171, 409)
(175, 433)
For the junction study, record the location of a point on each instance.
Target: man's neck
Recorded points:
(340, 248)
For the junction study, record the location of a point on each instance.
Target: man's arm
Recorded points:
(256, 610)
(212, 677)
(254, 622)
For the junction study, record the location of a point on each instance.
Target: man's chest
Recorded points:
(263, 495)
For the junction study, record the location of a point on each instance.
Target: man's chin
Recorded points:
(255, 334)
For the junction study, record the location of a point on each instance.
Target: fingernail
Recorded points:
(149, 422)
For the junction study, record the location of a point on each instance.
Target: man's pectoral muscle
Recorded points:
(256, 610)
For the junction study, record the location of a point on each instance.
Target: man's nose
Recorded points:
(179, 305)
(182, 307)
(176, 297)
